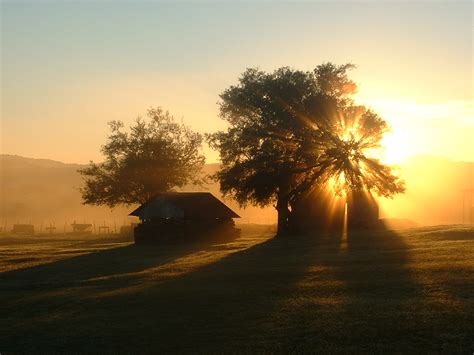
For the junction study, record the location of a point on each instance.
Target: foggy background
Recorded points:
(42, 191)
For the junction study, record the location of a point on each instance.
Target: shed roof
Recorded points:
(189, 205)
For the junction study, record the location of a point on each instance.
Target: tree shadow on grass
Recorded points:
(298, 294)
(98, 265)
(380, 293)
(380, 305)
(219, 301)
(295, 294)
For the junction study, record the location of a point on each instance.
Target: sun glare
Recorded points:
(338, 185)
(395, 148)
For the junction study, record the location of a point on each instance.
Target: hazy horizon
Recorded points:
(53, 195)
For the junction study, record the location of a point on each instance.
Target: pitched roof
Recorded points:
(192, 205)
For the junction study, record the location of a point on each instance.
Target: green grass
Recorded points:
(396, 292)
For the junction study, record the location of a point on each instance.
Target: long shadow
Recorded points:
(299, 294)
(295, 294)
(222, 303)
(380, 293)
(95, 265)
(383, 308)
(349, 293)
(241, 303)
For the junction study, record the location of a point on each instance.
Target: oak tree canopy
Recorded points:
(289, 130)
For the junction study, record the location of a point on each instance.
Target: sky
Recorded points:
(69, 67)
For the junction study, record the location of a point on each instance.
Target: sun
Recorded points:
(396, 148)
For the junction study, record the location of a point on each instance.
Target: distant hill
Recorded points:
(43, 191)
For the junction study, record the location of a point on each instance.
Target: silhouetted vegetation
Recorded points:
(291, 131)
(46, 191)
(155, 156)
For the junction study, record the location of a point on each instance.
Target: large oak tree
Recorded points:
(290, 130)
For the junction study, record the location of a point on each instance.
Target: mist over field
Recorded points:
(42, 191)
(434, 192)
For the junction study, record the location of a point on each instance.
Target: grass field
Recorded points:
(396, 292)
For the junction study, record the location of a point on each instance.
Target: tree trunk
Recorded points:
(283, 211)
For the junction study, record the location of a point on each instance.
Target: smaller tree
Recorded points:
(156, 156)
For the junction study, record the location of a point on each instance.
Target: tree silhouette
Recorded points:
(290, 130)
(157, 155)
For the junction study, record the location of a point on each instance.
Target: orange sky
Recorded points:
(68, 68)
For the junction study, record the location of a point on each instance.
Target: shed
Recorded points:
(184, 216)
